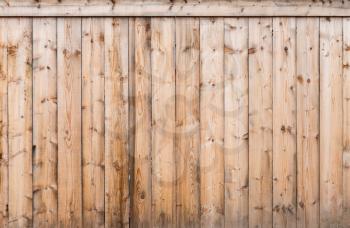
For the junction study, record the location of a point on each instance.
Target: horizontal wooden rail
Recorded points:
(60, 8)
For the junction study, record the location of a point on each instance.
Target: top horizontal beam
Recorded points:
(178, 8)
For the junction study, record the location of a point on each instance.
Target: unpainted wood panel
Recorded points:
(44, 122)
(212, 193)
(284, 123)
(234, 8)
(187, 122)
(93, 119)
(173, 122)
(4, 156)
(331, 122)
(141, 102)
(236, 121)
(69, 122)
(116, 121)
(346, 121)
(163, 122)
(308, 131)
(20, 121)
(260, 122)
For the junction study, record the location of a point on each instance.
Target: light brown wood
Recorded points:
(236, 122)
(141, 99)
(44, 122)
(116, 95)
(20, 121)
(163, 122)
(212, 191)
(174, 121)
(69, 122)
(235, 8)
(93, 118)
(187, 122)
(260, 122)
(308, 132)
(346, 121)
(331, 124)
(132, 113)
(4, 156)
(284, 123)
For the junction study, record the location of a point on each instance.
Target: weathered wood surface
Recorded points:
(69, 122)
(284, 123)
(116, 122)
(346, 122)
(44, 122)
(331, 122)
(93, 107)
(174, 8)
(174, 122)
(140, 99)
(4, 156)
(163, 122)
(212, 122)
(260, 122)
(236, 122)
(308, 132)
(187, 122)
(19, 72)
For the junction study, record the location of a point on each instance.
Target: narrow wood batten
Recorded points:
(179, 8)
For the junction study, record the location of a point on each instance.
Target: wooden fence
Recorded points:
(174, 121)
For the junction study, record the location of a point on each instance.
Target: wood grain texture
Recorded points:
(116, 95)
(93, 119)
(236, 122)
(346, 122)
(284, 123)
(69, 122)
(331, 125)
(20, 121)
(260, 122)
(187, 122)
(174, 121)
(131, 112)
(44, 122)
(141, 207)
(212, 191)
(163, 122)
(233, 8)
(308, 132)
(4, 155)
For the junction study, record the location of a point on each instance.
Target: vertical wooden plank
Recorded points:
(260, 122)
(308, 122)
(4, 156)
(69, 122)
(163, 121)
(187, 122)
(236, 122)
(346, 121)
(142, 102)
(44, 123)
(284, 123)
(212, 122)
(93, 128)
(132, 114)
(331, 127)
(20, 121)
(116, 95)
